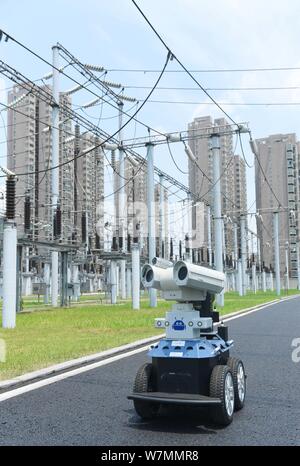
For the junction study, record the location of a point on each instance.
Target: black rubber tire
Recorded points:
(143, 384)
(234, 364)
(219, 414)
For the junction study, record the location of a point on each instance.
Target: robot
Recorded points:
(191, 366)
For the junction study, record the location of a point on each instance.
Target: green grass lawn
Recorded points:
(48, 336)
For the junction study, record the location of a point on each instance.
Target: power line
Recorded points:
(243, 153)
(181, 64)
(61, 71)
(179, 88)
(206, 70)
(265, 177)
(109, 137)
(174, 161)
(231, 104)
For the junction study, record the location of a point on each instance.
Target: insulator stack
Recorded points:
(10, 198)
(128, 243)
(171, 249)
(180, 249)
(113, 159)
(27, 214)
(97, 241)
(83, 228)
(57, 223)
(114, 244)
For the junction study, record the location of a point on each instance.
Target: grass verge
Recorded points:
(45, 337)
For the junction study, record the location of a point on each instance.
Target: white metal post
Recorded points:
(264, 287)
(217, 211)
(287, 272)
(239, 277)
(9, 275)
(113, 281)
(254, 283)
(76, 282)
(162, 217)
(27, 274)
(271, 281)
(55, 171)
(135, 254)
(188, 243)
(276, 251)
(151, 215)
(243, 253)
(209, 235)
(122, 204)
(298, 264)
(47, 282)
(235, 253)
(128, 282)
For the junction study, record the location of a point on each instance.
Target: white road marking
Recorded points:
(43, 383)
(66, 375)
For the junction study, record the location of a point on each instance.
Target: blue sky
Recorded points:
(203, 34)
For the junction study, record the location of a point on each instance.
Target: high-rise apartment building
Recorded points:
(136, 206)
(29, 152)
(279, 158)
(233, 177)
(90, 193)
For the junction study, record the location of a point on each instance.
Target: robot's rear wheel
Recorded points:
(222, 386)
(144, 383)
(239, 381)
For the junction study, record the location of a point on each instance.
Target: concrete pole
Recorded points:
(128, 282)
(162, 235)
(27, 276)
(264, 287)
(287, 273)
(254, 283)
(9, 275)
(271, 282)
(239, 277)
(235, 253)
(118, 280)
(188, 243)
(113, 281)
(276, 250)
(258, 254)
(47, 282)
(243, 253)
(55, 171)
(135, 255)
(209, 235)
(298, 264)
(217, 211)
(151, 215)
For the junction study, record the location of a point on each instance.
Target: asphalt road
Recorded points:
(92, 408)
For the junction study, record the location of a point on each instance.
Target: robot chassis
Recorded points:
(191, 366)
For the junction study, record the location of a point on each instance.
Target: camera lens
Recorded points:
(182, 272)
(149, 275)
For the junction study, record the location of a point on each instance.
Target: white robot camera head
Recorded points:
(186, 282)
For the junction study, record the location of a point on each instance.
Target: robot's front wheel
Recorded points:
(239, 381)
(144, 383)
(222, 386)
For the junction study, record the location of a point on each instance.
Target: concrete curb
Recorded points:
(73, 363)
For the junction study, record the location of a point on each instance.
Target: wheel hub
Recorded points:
(229, 394)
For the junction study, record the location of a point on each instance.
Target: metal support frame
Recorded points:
(64, 279)
(218, 239)
(276, 251)
(151, 216)
(55, 171)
